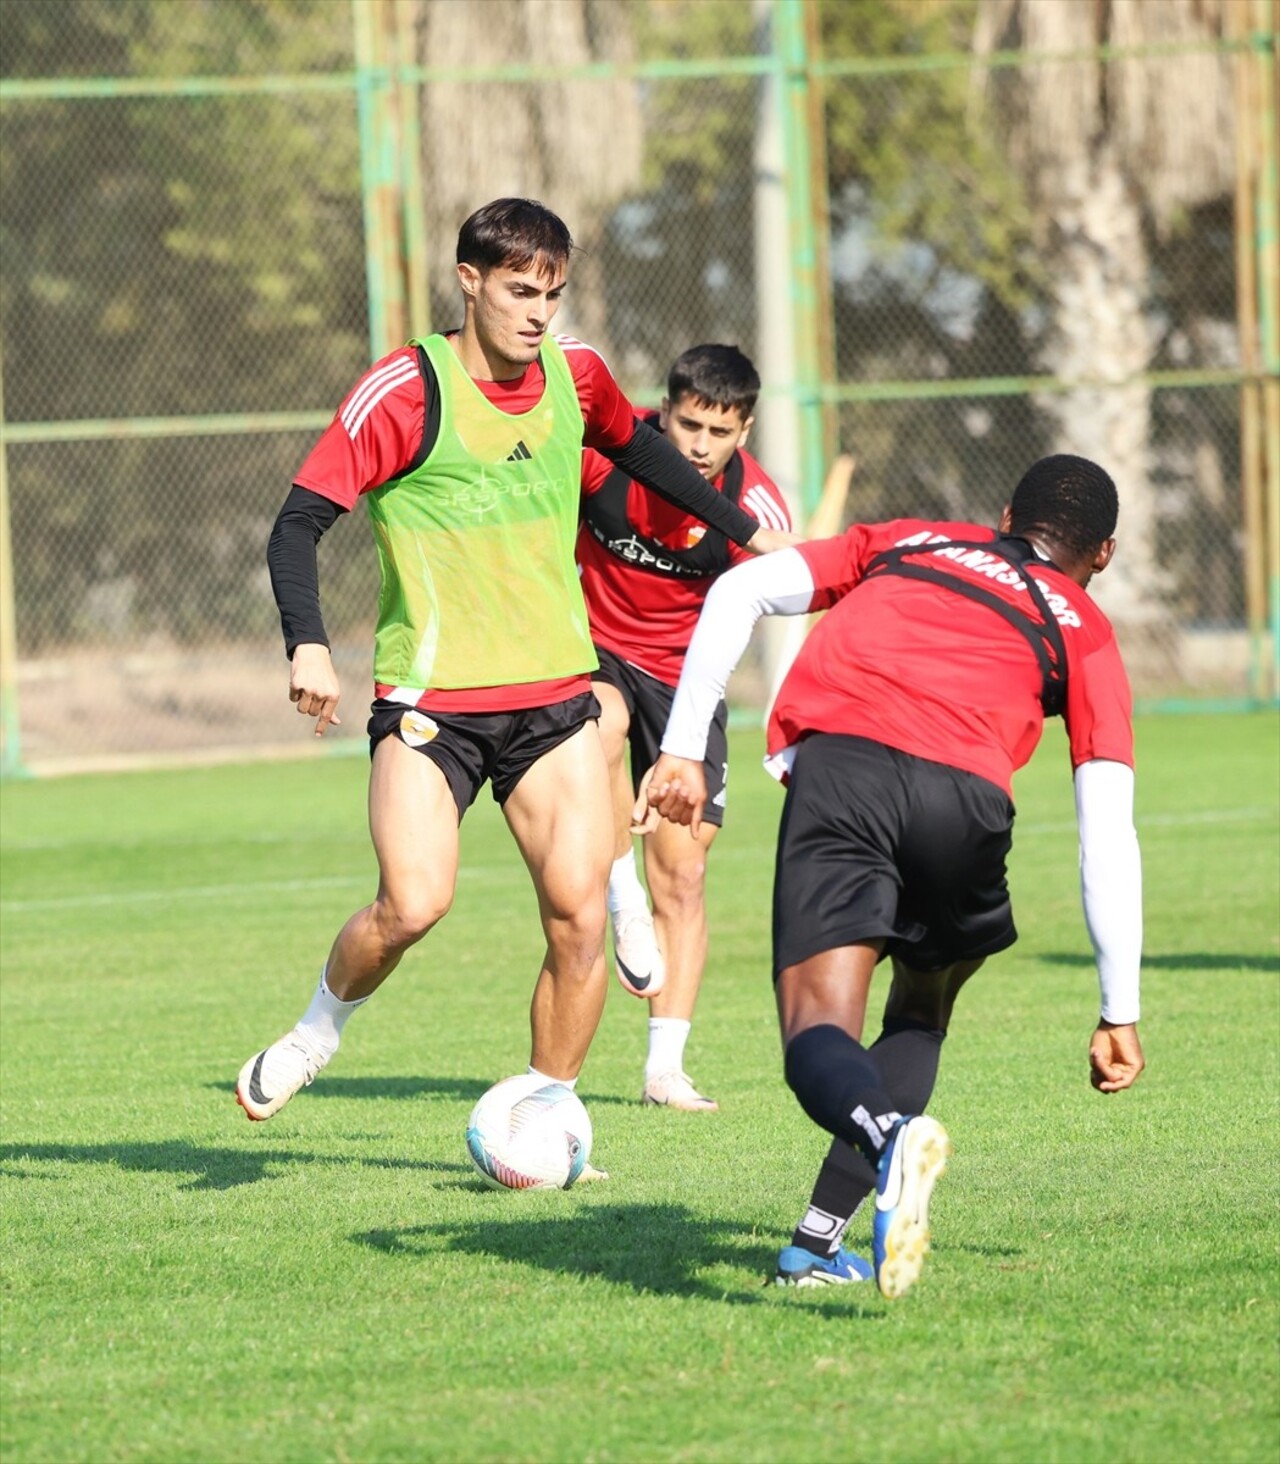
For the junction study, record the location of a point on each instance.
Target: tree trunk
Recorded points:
(573, 144)
(1099, 268)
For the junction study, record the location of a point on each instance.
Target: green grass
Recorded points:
(336, 1285)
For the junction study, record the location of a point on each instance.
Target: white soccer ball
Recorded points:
(529, 1132)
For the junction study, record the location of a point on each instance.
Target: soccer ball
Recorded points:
(529, 1132)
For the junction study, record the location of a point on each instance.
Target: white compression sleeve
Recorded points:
(1111, 883)
(772, 584)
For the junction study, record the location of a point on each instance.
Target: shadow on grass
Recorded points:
(662, 1249)
(1200, 961)
(462, 1090)
(204, 1168)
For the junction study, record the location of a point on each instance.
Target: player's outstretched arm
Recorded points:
(769, 541)
(650, 459)
(774, 584)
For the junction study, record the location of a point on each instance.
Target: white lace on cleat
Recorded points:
(641, 969)
(271, 1077)
(676, 1090)
(914, 1162)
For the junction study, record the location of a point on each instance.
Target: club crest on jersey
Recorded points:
(417, 729)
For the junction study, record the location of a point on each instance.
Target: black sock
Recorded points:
(843, 1182)
(907, 1055)
(839, 1086)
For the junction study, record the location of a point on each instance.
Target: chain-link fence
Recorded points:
(954, 235)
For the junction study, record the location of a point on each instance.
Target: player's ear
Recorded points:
(1103, 557)
(746, 428)
(469, 277)
(664, 412)
(1006, 519)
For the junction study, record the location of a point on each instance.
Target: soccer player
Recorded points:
(897, 731)
(467, 449)
(646, 569)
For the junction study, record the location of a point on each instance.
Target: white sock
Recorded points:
(325, 1018)
(625, 890)
(564, 1082)
(667, 1037)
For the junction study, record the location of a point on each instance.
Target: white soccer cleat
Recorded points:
(271, 1077)
(641, 969)
(676, 1090)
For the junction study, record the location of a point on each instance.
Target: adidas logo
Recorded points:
(521, 454)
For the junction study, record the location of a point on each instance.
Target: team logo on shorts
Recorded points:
(417, 729)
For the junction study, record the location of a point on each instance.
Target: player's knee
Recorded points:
(575, 931)
(815, 1064)
(407, 919)
(679, 889)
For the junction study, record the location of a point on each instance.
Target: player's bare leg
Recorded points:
(560, 815)
(414, 823)
(614, 724)
(639, 961)
(676, 867)
(830, 988)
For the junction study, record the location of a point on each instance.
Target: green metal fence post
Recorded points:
(378, 167)
(1267, 244)
(791, 50)
(413, 210)
(10, 722)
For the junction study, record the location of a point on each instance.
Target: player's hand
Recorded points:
(313, 686)
(765, 541)
(675, 788)
(1115, 1057)
(644, 817)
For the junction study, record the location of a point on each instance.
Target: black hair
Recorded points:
(514, 233)
(718, 376)
(1067, 499)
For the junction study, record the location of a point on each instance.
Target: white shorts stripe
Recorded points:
(407, 696)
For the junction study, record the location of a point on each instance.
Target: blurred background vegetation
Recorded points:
(954, 234)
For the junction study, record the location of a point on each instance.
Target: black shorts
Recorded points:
(878, 845)
(470, 747)
(649, 705)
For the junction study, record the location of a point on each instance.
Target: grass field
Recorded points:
(336, 1285)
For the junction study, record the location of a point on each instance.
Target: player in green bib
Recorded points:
(467, 449)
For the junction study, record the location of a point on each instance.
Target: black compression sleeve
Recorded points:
(291, 558)
(650, 459)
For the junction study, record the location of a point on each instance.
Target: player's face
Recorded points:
(707, 436)
(512, 309)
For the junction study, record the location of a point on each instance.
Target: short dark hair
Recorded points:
(1070, 500)
(514, 233)
(718, 376)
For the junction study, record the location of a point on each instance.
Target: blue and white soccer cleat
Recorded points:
(800, 1267)
(913, 1162)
